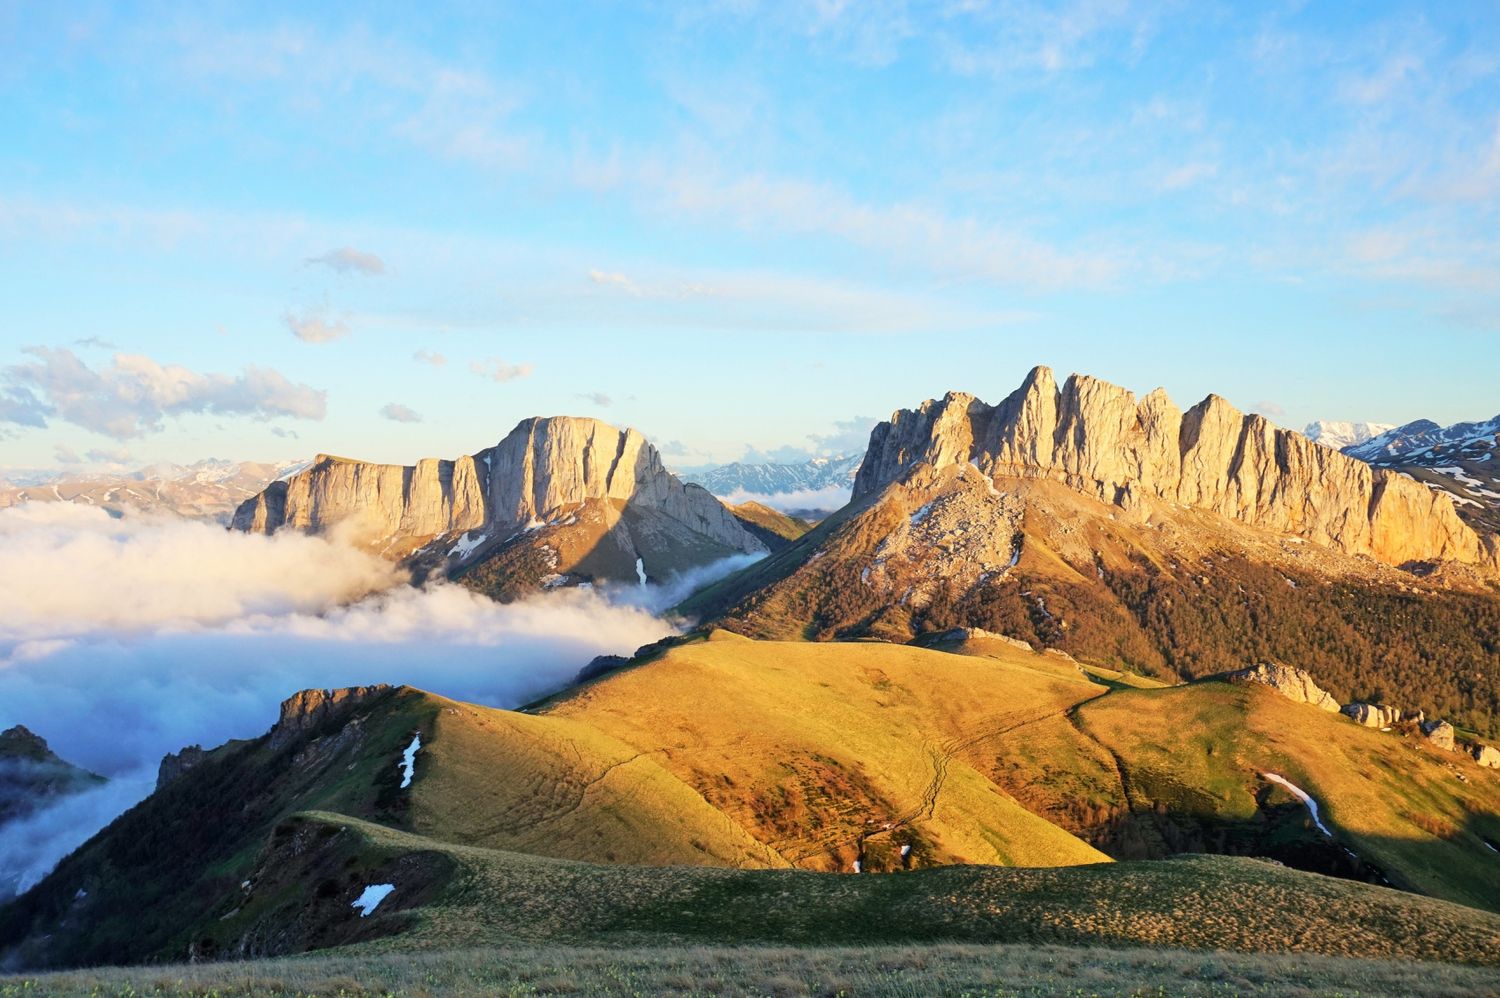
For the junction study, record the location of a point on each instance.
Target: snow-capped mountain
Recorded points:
(1463, 459)
(1424, 439)
(1340, 435)
(209, 489)
(819, 485)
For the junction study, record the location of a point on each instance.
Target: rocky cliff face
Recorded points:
(305, 711)
(1101, 440)
(542, 471)
(175, 764)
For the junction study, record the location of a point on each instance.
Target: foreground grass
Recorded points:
(733, 971)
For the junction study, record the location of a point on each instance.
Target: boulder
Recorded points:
(1292, 683)
(1439, 733)
(1486, 755)
(1372, 715)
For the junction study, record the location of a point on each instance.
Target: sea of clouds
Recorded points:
(823, 500)
(125, 638)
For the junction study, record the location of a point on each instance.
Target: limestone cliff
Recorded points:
(542, 468)
(1101, 440)
(546, 473)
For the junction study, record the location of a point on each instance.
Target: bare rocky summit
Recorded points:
(1101, 440)
(309, 709)
(548, 480)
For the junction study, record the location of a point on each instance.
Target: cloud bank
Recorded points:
(124, 639)
(826, 499)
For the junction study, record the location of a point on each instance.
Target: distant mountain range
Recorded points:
(209, 490)
(820, 485)
(1462, 460)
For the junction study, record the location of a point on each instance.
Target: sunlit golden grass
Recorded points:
(737, 753)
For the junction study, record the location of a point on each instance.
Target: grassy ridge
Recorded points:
(1001, 971)
(489, 897)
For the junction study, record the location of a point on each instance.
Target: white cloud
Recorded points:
(826, 499)
(398, 413)
(496, 369)
(67, 569)
(597, 398)
(314, 325)
(348, 260)
(429, 357)
(133, 395)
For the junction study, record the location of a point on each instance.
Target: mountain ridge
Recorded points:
(1098, 439)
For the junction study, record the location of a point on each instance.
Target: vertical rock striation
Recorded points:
(1100, 439)
(543, 468)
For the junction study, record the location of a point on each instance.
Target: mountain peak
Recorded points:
(555, 472)
(20, 742)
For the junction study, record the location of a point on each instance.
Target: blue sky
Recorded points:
(742, 227)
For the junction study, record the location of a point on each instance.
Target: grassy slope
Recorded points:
(728, 752)
(815, 747)
(557, 787)
(773, 528)
(1199, 902)
(1418, 813)
(139, 888)
(473, 920)
(809, 755)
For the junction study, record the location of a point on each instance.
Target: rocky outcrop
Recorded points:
(1440, 734)
(958, 634)
(1103, 441)
(174, 764)
(1292, 683)
(304, 712)
(542, 470)
(1486, 755)
(1375, 715)
(32, 775)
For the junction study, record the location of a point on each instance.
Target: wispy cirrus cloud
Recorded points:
(348, 260)
(134, 394)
